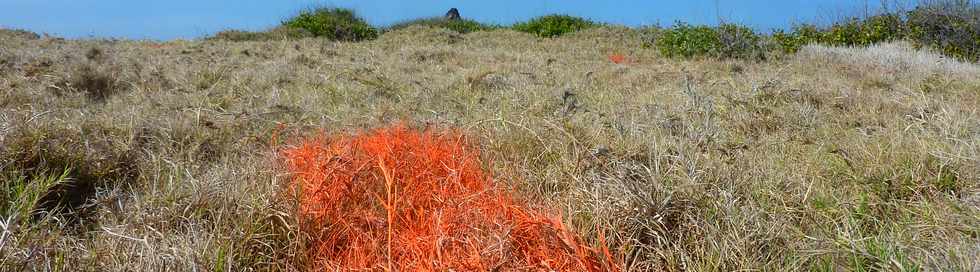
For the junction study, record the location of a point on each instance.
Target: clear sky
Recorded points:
(169, 19)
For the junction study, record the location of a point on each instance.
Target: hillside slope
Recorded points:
(164, 155)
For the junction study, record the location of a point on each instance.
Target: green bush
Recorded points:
(801, 35)
(333, 23)
(882, 28)
(851, 32)
(278, 33)
(725, 41)
(688, 41)
(554, 25)
(461, 26)
(871, 30)
(739, 42)
(844, 33)
(952, 28)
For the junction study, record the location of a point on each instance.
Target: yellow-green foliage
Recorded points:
(334, 24)
(871, 30)
(554, 25)
(725, 41)
(687, 41)
(851, 32)
(951, 27)
(801, 35)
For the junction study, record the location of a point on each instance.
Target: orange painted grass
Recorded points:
(400, 199)
(617, 58)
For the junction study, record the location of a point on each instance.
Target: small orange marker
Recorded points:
(617, 58)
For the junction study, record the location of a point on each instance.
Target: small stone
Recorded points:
(600, 151)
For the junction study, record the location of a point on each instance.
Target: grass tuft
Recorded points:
(96, 82)
(275, 34)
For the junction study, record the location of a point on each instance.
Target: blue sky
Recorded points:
(169, 19)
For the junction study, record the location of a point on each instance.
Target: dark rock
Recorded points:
(453, 14)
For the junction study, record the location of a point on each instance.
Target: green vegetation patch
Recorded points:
(791, 42)
(851, 32)
(724, 41)
(554, 25)
(48, 171)
(952, 28)
(334, 24)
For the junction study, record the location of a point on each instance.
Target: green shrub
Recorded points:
(725, 41)
(843, 33)
(787, 42)
(461, 26)
(882, 28)
(846, 33)
(554, 25)
(333, 23)
(801, 35)
(739, 41)
(871, 30)
(688, 41)
(851, 32)
(278, 33)
(951, 27)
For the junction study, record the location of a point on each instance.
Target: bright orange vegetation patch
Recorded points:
(617, 58)
(398, 199)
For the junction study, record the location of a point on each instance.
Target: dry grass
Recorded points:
(818, 161)
(899, 59)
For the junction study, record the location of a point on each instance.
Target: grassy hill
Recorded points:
(138, 155)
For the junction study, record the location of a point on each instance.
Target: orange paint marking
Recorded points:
(399, 199)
